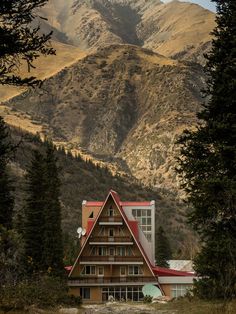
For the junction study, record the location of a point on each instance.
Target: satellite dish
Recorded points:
(83, 232)
(79, 230)
(151, 290)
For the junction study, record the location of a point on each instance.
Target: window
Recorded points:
(122, 270)
(123, 293)
(93, 251)
(179, 290)
(144, 217)
(111, 212)
(111, 232)
(85, 293)
(102, 251)
(135, 270)
(129, 251)
(100, 271)
(121, 251)
(112, 251)
(91, 215)
(89, 270)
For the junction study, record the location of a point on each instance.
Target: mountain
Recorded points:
(176, 29)
(45, 66)
(123, 103)
(82, 180)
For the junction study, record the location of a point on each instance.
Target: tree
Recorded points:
(42, 231)
(6, 197)
(53, 248)
(163, 250)
(34, 213)
(208, 164)
(20, 42)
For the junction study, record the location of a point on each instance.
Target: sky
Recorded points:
(205, 3)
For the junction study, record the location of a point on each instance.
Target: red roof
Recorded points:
(90, 223)
(99, 204)
(162, 272)
(134, 227)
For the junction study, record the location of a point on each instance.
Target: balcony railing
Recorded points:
(110, 219)
(100, 280)
(96, 258)
(110, 239)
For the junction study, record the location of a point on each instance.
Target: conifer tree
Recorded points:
(20, 42)
(53, 247)
(34, 213)
(6, 197)
(208, 164)
(163, 250)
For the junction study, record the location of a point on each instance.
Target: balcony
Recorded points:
(130, 280)
(111, 240)
(111, 260)
(110, 221)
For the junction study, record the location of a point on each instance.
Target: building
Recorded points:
(117, 254)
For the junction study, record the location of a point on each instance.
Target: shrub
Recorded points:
(40, 292)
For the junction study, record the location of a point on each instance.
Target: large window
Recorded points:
(135, 270)
(144, 217)
(85, 293)
(179, 290)
(123, 293)
(89, 270)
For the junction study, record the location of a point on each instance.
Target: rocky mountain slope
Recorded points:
(45, 66)
(176, 29)
(82, 180)
(122, 103)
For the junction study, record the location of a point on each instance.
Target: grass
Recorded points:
(193, 306)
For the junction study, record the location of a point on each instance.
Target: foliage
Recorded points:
(147, 299)
(208, 164)
(71, 247)
(52, 242)
(42, 228)
(20, 42)
(11, 256)
(40, 291)
(163, 250)
(6, 189)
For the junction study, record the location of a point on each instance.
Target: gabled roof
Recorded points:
(132, 226)
(99, 204)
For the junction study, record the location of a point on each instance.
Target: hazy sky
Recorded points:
(205, 3)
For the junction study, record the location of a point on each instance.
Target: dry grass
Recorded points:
(45, 67)
(185, 306)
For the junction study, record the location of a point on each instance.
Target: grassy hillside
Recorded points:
(124, 104)
(83, 180)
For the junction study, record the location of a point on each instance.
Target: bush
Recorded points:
(147, 299)
(41, 292)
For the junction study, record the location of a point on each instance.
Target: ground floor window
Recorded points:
(122, 293)
(179, 290)
(85, 293)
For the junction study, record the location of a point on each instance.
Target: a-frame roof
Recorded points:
(117, 202)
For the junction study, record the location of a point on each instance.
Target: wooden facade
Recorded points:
(112, 261)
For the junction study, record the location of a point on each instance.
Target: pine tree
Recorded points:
(34, 213)
(6, 197)
(163, 250)
(53, 248)
(20, 42)
(208, 164)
